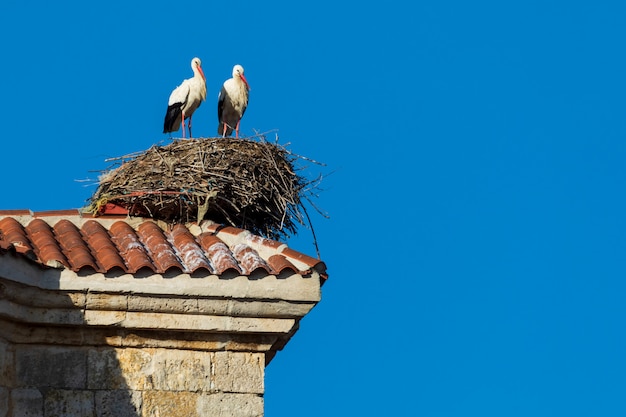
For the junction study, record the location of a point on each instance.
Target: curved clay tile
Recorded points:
(219, 255)
(188, 249)
(105, 251)
(45, 243)
(101, 247)
(74, 247)
(131, 249)
(13, 233)
(309, 261)
(263, 241)
(279, 263)
(159, 249)
(249, 259)
(231, 230)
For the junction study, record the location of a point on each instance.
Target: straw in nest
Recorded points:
(240, 182)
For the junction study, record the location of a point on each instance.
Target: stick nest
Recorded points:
(249, 184)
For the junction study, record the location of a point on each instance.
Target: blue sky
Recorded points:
(474, 179)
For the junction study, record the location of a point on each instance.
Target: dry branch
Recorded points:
(241, 182)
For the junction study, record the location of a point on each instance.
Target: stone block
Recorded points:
(18, 312)
(239, 372)
(103, 370)
(36, 297)
(64, 403)
(162, 304)
(103, 318)
(4, 402)
(181, 370)
(136, 367)
(170, 404)
(7, 355)
(27, 402)
(102, 301)
(118, 403)
(231, 405)
(57, 367)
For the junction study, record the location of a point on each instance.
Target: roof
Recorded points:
(70, 239)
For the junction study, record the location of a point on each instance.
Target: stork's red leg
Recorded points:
(182, 123)
(237, 129)
(189, 125)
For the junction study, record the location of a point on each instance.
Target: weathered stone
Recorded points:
(136, 367)
(246, 308)
(69, 403)
(37, 315)
(104, 318)
(26, 402)
(230, 405)
(4, 402)
(57, 367)
(239, 372)
(6, 365)
(162, 304)
(17, 333)
(292, 288)
(118, 403)
(170, 404)
(102, 301)
(207, 323)
(103, 370)
(94, 345)
(181, 370)
(35, 297)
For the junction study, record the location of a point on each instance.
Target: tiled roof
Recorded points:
(105, 244)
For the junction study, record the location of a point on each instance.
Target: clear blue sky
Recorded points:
(476, 241)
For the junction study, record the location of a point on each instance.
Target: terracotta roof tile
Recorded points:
(189, 250)
(130, 248)
(12, 233)
(218, 253)
(47, 247)
(100, 241)
(249, 259)
(279, 263)
(159, 249)
(74, 246)
(307, 260)
(69, 239)
(19, 212)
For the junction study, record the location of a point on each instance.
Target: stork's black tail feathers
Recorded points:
(172, 118)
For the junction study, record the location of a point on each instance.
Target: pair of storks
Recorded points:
(187, 97)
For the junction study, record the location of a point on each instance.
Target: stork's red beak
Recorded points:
(201, 72)
(245, 81)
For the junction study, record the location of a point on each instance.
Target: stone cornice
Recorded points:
(260, 313)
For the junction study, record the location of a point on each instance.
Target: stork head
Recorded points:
(196, 66)
(238, 73)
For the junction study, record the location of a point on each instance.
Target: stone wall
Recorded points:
(151, 346)
(72, 381)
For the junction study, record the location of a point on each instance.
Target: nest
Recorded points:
(249, 184)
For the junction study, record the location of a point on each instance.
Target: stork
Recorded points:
(232, 103)
(185, 99)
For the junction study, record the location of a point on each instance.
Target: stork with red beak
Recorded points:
(232, 103)
(185, 99)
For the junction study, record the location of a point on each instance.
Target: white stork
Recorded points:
(232, 103)
(185, 99)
